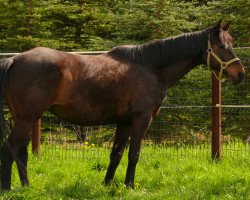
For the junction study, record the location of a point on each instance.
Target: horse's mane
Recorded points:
(164, 51)
(226, 38)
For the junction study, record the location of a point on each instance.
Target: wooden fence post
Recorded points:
(247, 82)
(36, 138)
(216, 117)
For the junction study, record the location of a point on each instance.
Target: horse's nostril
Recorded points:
(241, 76)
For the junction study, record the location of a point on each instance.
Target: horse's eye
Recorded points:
(222, 47)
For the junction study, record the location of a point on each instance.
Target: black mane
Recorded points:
(164, 51)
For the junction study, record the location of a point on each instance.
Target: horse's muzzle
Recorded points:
(237, 79)
(241, 76)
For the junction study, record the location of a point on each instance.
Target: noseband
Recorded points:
(223, 65)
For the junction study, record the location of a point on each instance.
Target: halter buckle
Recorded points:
(224, 65)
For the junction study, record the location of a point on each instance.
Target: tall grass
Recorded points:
(158, 176)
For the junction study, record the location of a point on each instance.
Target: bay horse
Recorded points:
(125, 86)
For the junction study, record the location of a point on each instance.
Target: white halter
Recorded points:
(223, 65)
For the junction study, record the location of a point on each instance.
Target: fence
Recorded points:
(184, 124)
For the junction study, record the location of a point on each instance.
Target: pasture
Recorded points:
(175, 161)
(160, 175)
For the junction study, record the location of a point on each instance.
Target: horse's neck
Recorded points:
(174, 72)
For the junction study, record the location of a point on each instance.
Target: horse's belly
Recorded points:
(87, 116)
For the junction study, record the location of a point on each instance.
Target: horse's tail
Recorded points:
(4, 69)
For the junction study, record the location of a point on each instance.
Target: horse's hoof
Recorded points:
(4, 189)
(130, 185)
(107, 182)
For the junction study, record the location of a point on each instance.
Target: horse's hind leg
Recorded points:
(15, 148)
(6, 166)
(121, 138)
(22, 161)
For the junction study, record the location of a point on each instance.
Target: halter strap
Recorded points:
(223, 65)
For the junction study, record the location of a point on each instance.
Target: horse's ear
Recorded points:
(217, 27)
(226, 27)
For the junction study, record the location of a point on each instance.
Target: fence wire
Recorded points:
(183, 127)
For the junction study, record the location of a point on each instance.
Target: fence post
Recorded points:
(216, 117)
(36, 138)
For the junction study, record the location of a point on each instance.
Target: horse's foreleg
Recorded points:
(121, 138)
(139, 128)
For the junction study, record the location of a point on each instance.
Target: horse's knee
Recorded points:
(116, 157)
(133, 158)
(23, 154)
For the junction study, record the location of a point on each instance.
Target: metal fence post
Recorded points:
(36, 138)
(216, 117)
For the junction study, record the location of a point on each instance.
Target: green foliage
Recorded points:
(100, 25)
(236, 11)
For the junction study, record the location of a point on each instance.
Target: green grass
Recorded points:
(158, 176)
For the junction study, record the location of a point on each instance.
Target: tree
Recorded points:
(21, 27)
(236, 11)
(100, 25)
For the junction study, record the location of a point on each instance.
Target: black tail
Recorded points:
(4, 69)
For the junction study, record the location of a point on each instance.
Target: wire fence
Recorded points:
(183, 126)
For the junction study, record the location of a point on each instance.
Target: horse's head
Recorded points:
(220, 56)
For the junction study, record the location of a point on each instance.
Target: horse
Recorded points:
(125, 86)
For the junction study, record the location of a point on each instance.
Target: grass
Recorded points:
(158, 176)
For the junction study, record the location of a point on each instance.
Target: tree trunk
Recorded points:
(78, 25)
(28, 20)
